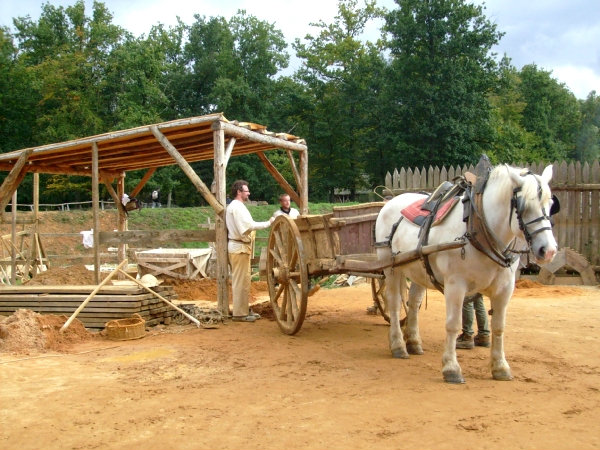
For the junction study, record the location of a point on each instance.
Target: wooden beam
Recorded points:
(294, 169)
(229, 150)
(222, 266)
(114, 135)
(279, 178)
(13, 239)
(95, 211)
(143, 182)
(13, 179)
(122, 218)
(303, 188)
(114, 196)
(239, 132)
(188, 170)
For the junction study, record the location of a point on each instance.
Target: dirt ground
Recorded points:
(334, 385)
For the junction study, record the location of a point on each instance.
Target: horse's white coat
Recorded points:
(474, 272)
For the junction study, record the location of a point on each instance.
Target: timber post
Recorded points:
(96, 213)
(222, 269)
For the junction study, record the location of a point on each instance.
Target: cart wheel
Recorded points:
(287, 275)
(379, 298)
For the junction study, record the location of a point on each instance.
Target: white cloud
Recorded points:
(580, 80)
(557, 35)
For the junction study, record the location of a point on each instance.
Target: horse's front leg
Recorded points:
(454, 295)
(396, 283)
(498, 364)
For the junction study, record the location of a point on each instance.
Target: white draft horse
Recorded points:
(514, 204)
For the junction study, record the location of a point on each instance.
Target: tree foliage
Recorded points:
(440, 74)
(427, 91)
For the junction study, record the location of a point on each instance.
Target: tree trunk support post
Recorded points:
(13, 179)
(303, 188)
(122, 223)
(95, 212)
(187, 169)
(220, 165)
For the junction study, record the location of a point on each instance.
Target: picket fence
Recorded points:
(576, 185)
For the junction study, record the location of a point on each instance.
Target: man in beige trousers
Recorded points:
(240, 228)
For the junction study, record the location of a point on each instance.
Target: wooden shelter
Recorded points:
(107, 157)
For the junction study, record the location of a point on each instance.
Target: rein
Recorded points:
(518, 204)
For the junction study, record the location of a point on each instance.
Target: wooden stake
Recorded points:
(92, 295)
(192, 318)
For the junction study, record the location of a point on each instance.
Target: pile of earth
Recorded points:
(26, 332)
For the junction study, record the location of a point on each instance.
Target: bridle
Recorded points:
(517, 203)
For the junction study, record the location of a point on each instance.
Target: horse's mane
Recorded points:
(500, 176)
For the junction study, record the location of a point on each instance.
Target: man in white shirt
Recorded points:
(240, 228)
(285, 208)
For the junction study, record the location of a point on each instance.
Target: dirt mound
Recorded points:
(534, 289)
(265, 309)
(206, 289)
(527, 284)
(75, 275)
(26, 331)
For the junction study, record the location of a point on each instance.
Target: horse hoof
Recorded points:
(400, 353)
(502, 375)
(453, 377)
(414, 349)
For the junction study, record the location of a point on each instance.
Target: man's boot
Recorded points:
(465, 341)
(482, 340)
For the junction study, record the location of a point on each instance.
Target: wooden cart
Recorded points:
(314, 246)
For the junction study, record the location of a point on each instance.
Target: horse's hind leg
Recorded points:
(395, 281)
(413, 337)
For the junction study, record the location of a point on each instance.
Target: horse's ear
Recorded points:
(547, 174)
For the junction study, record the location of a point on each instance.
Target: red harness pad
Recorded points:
(416, 215)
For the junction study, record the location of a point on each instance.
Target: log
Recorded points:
(192, 318)
(94, 292)
(187, 169)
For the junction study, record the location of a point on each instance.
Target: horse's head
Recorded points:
(532, 205)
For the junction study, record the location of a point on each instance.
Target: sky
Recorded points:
(560, 36)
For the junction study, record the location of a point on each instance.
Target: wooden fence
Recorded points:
(576, 185)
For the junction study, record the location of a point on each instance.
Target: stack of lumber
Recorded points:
(110, 303)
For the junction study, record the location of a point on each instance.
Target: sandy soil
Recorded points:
(334, 385)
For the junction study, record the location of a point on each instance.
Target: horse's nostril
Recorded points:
(542, 251)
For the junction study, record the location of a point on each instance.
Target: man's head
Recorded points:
(284, 201)
(240, 190)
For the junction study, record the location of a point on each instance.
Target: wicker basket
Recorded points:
(125, 329)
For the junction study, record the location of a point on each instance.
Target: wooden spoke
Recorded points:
(378, 291)
(287, 275)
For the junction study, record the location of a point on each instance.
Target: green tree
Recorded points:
(511, 143)
(142, 78)
(16, 101)
(66, 53)
(588, 136)
(343, 76)
(440, 74)
(551, 113)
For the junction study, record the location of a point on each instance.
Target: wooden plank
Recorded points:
(593, 252)
(80, 289)
(75, 299)
(577, 204)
